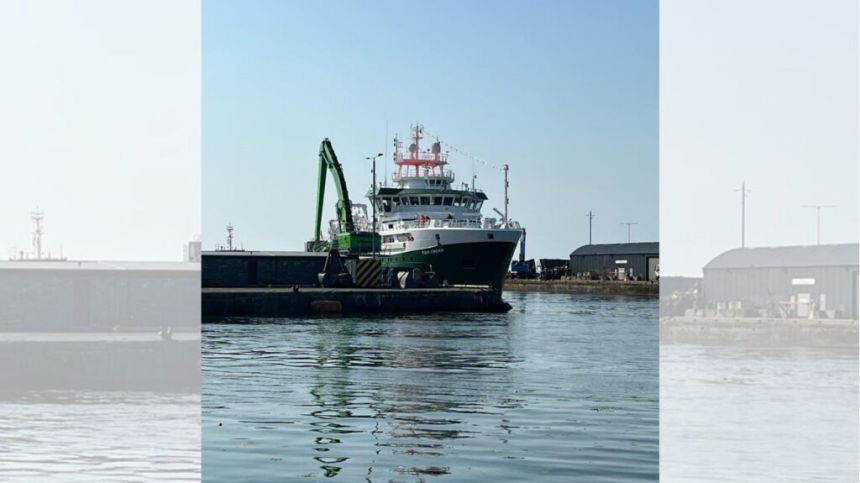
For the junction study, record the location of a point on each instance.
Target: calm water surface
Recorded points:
(563, 387)
(99, 436)
(758, 414)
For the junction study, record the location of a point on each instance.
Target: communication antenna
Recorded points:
(37, 217)
(230, 237)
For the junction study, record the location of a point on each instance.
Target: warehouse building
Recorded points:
(616, 261)
(790, 281)
(67, 295)
(239, 268)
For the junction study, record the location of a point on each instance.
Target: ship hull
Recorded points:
(466, 263)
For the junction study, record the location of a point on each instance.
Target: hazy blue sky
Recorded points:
(763, 92)
(100, 127)
(563, 91)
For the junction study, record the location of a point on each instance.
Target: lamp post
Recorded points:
(373, 199)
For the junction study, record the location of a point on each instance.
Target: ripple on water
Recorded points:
(562, 387)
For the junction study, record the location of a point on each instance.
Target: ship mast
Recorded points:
(507, 201)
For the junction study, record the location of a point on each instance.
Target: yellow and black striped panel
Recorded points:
(368, 273)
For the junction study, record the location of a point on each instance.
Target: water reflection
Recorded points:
(561, 388)
(408, 411)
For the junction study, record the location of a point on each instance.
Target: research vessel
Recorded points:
(426, 221)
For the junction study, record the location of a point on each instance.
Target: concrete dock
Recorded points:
(277, 302)
(602, 287)
(277, 284)
(107, 361)
(760, 331)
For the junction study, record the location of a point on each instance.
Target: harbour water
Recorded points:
(758, 413)
(85, 436)
(562, 388)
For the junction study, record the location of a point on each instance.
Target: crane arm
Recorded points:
(329, 162)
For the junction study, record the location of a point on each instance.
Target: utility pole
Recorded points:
(629, 223)
(373, 197)
(744, 192)
(590, 216)
(506, 195)
(818, 220)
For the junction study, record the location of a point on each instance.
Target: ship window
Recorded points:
(437, 200)
(425, 200)
(447, 201)
(478, 205)
(388, 239)
(413, 200)
(386, 204)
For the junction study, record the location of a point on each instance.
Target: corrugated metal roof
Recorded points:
(790, 256)
(639, 248)
(97, 265)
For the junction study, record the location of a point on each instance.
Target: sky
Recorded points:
(100, 127)
(565, 92)
(759, 92)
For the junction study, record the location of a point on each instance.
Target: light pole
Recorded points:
(629, 223)
(373, 198)
(818, 220)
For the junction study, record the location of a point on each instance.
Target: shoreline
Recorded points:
(834, 333)
(603, 287)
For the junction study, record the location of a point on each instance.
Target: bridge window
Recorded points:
(425, 200)
(413, 200)
(447, 201)
(437, 200)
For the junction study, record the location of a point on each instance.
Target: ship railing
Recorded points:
(446, 175)
(421, 158)
(443, 223)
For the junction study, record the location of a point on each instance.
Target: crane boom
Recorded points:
(329, 162)
(348, 239)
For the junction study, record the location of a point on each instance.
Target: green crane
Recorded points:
(348, 240)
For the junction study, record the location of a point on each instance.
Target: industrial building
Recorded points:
(238, 268)
(616, 261)
(789, 281)
(68, 295)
